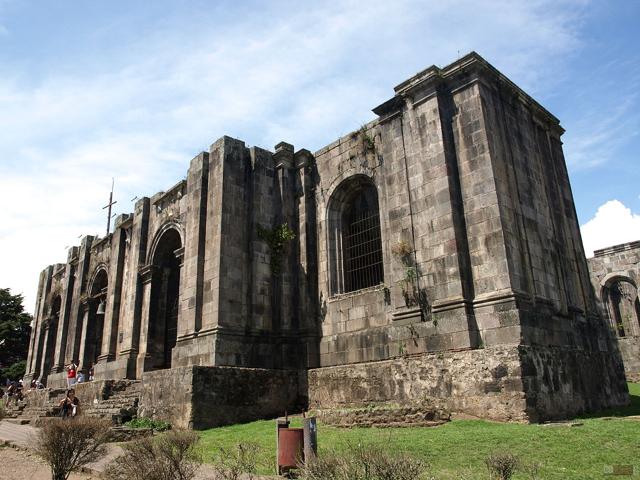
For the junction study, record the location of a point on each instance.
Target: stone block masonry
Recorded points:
(203, 397)
(436, 253)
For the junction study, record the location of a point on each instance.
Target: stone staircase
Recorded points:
(115, 400)
(119, 405)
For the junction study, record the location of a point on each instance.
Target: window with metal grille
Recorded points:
(361, 243)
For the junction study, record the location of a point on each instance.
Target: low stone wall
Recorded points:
(204, 397)
(167, 395)
(57, 380)
(388, 415)
(484, 383)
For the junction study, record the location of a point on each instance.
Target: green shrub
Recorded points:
(68, 444)
(364, 463)
(238, 462)
(145, 422)
(502, 465)
(170, 456)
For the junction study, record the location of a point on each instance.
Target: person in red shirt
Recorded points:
(72, 370)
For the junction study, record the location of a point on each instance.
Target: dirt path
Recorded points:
(22, 465)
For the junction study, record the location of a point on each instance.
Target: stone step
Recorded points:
(120, 404)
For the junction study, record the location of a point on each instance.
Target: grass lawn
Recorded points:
(460, 447)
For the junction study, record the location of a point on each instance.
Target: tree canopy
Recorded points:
(15, 329)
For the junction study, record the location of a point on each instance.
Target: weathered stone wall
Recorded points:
(557, 387)
(509, 383)
(204, 397)
(630, 350)
(485, 383)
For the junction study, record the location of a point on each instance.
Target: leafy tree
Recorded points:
(15, 329)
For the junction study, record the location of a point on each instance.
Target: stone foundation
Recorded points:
(561, 383)
(204, 397)
(510, 383)
(483, 383)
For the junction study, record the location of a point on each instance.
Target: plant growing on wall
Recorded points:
(277, 239)
(368, 141)
(413, 295)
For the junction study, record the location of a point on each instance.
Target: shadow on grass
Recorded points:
(630, 410)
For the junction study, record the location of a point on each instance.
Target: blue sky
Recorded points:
(134, 90)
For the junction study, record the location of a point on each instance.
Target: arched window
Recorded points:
(355, 244)
(621, 299)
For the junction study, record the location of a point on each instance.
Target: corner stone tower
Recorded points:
(437, 257)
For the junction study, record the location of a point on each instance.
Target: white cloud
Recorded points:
(612, 224)
(302, 73)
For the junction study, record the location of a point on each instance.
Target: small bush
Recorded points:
(171, 456)
(238, 462)
(502, 465)
(68, 444)
(145, 422)
(364, 463)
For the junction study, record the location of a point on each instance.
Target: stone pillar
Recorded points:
(114, 292)
(286, 281)
(307, 265)
(76, 314)
(494, 293)
(147, 275)
(65, 312)
(46, 349)
(35, 328)
(191, 276)
(262, 206)
(131, 320)
(85, 314)
(40, 341)
(224, 292)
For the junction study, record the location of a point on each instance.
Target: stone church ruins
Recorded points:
(432, 255)
(615, 275)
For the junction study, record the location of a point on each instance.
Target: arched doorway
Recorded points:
(95, 318)
(165, 296)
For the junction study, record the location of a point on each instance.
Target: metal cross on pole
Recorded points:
(109, 205)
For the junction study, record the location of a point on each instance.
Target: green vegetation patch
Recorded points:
(580, 449)
(144, 422)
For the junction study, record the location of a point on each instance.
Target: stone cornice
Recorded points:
(433, 78)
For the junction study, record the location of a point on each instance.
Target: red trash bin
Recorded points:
(290, 448)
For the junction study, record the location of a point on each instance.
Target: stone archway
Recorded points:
(166, 262)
